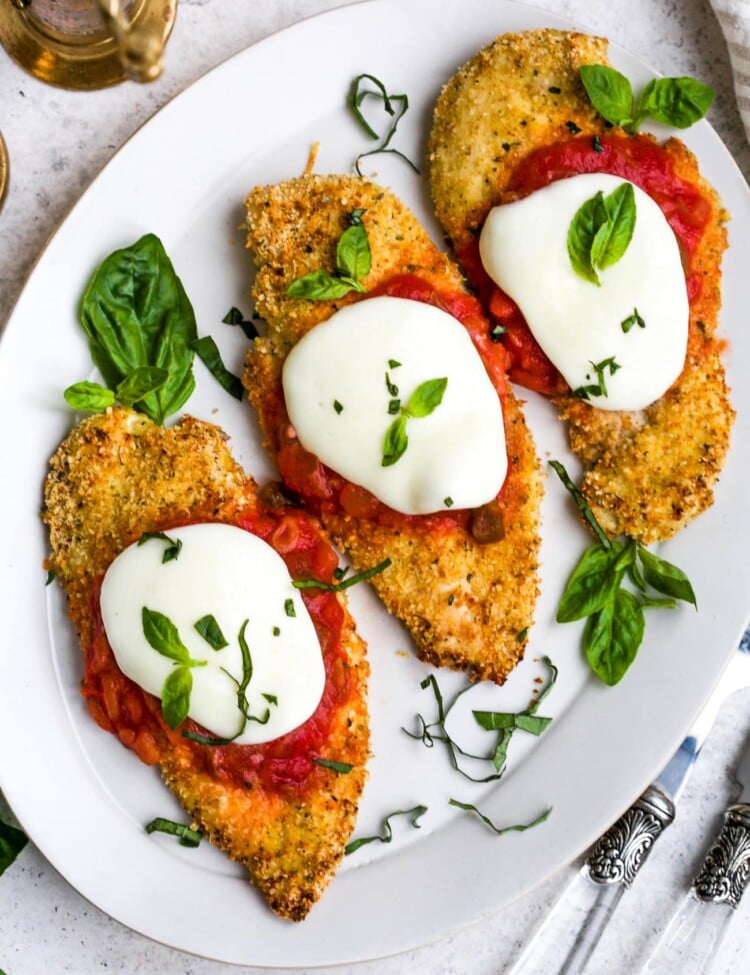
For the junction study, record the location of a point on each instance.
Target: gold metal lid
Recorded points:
(87, 44)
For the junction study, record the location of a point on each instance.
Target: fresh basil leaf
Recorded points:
(675, 101)
(426, 397)
(140, 382)
(340, 768)
(353, 256)
(499, 830)
(163, 636)
(174, 545)
(210, 630)
(582, 232)
(321, 286)
(208, 353)
(186, 835)
(507, 721)
(90, 397)
(175, 695)
(610, 93)
(601, 230)
(136, 313)
(612, 239)
(12, 841)
(612, 636)
(666, 577)
(591, 585)
(396, 441)
(414, 814)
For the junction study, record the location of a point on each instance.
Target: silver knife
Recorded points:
(691, 941)
(567, 937)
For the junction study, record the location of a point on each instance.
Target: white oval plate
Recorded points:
(82, 797)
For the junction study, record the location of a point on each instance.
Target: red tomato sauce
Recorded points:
(322, 489)
(122, 707)
(638, 159)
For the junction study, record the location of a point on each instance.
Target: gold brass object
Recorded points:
(3, 169)
(87, 44)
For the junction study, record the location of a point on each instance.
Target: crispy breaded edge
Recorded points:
(117, 475)
(467, 606)
(647, 472)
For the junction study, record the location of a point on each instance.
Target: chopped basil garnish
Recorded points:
(635, 319)
(357, 95)
(599, 388)
(393, 363)
(289, 607)
(504, 723)
(344, 583)
(174, 545)
(276, 631)
(337, 406)
(51, 576)
(674, 101)
(615, 620)
(499, 830)
(210, 630)
(12, 841)
(601, 231)
(208, 353)
(235, 317)
(414, 814)
(186, 834)
(448, 502)
(340, 768)
(497, 332)
(424, 400)
(353, 262)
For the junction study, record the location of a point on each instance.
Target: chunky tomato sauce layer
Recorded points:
(638, 159)
(122, 707)
(325, 491)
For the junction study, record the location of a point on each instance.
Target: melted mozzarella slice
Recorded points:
(523, 247)
(233, 576)
(342, 377)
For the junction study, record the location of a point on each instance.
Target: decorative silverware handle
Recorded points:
(691, 941)
(572, 930)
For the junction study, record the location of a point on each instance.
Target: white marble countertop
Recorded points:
(58, 141)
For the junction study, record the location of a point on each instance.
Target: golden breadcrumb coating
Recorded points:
(118, 475)
(646, 472)
(467, 605)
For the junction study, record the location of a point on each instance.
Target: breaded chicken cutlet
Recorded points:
(464, 583)
(646, 472)
(118, 475)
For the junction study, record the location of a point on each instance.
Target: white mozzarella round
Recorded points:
(578, 324)
(340, 380)
(227, 573)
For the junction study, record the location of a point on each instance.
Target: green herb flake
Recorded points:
(51, 576)
(340, 768)
(343, 583)
(209, 355)
(497, 332)
(337, 406)
(173, 545)
(393, 363)
(635, 319)
(386, 834)
(235, 317)
(448, 501)
(210, 630)
(289, 607)
(186, 834)
(573, 128)
(276, 631)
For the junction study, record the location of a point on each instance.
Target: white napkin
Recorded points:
(734, 17)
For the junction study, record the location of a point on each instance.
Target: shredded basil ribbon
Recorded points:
(186, 834)
(344, 583)
(414, 814)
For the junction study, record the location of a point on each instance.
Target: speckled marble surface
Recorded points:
(58, 141)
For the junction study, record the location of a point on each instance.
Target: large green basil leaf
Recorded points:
(136, 313)
(592, 583)
(612, 636)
